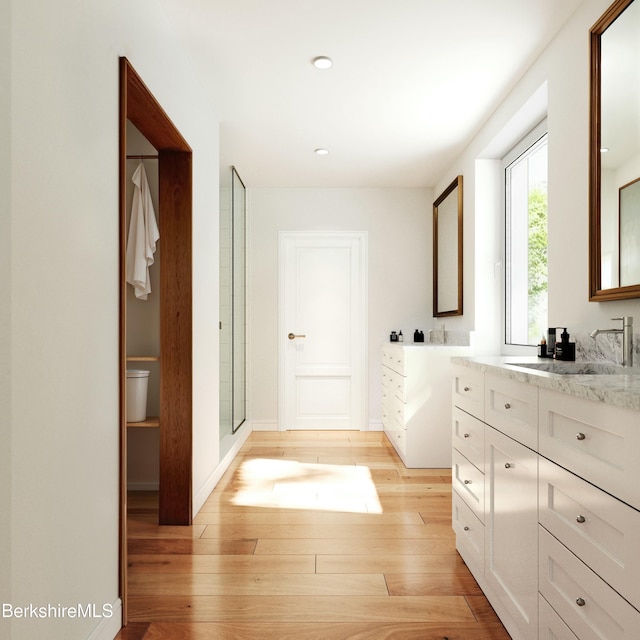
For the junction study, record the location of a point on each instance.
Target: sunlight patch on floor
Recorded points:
(287, 484)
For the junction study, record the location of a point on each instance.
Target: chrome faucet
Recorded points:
(627, 338)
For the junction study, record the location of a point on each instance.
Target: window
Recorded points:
(525, 171)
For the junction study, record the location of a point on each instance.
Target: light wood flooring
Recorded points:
(317, 535)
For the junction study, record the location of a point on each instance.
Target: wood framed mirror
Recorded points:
(447, 251)
(614, 154)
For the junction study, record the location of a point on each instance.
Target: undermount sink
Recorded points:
(578, 368)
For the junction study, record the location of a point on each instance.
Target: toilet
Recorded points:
(137, 386)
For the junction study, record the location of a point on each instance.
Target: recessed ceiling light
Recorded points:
(322, 152)
(322, 62)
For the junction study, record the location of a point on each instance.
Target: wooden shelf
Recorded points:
(143, 358)
(151, 421)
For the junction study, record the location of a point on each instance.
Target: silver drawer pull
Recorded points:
(467, 389)
(507, 405)
(466, 528)
(581, 519)
(580, 602)
(466, 435)
(580, 436)
(507, 465)
(467, 481)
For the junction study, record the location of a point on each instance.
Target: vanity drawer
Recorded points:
(386, 377)
(397, 410)
(393, 357)
(602, 531)
(468, 391)
(469, 530)
(468, 437)
(550, 624)
(512, 407)
(587, 604)
(597, 441)
(468, 481)
(393, 383)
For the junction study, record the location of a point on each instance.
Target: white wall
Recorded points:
(398, 222)
(5, 310)
(64, 283)
(564, 67)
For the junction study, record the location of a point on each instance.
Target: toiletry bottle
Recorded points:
(393, 337)
(416, 336)
(542, 348)
(400, 337)
(565, 350)
(551, 342)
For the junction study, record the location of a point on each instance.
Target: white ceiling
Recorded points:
(412, 81)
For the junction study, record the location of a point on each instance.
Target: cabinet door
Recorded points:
(511, 529)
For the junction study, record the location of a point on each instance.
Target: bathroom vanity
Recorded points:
(416, 401)
(546, 505)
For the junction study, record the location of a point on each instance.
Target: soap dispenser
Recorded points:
(565, 350)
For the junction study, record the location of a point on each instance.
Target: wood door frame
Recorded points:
(363, 239)
(138, 105)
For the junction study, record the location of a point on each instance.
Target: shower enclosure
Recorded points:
(233, 234)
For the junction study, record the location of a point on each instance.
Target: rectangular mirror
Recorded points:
(447, 251)
(614, 154)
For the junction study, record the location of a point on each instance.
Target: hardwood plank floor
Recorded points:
(322, 535)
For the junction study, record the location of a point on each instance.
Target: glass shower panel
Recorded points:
(226, 334)
(238, 306)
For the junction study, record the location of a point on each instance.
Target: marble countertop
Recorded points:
(620, 388)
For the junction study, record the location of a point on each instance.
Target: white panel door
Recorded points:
(322, 330)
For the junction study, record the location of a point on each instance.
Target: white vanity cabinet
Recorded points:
(561, 518)
(511, 529)
(416, 402)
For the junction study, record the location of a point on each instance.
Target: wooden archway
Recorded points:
(139, 106)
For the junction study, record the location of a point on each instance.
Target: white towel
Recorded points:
(143, 235)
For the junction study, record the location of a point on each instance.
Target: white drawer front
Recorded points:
(398, 410)
(512, 407)
(468, 481)
(386, 377)
(468, 391)
(551, 626)
(598, 442)
(468, 437)
(602, 531)
(398, 386)
(393, 357)
(587, 604)
(469, 530)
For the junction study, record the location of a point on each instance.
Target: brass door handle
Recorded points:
(293, 336)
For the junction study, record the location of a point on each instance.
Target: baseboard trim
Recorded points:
(375, 425)
(108, 628)
(210, 484)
